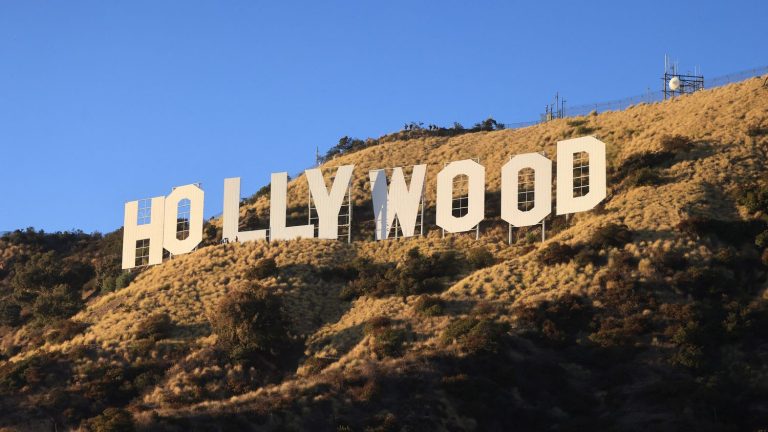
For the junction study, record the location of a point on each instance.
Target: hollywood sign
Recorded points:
(175, 222)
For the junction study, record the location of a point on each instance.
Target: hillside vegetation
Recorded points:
(648, 312)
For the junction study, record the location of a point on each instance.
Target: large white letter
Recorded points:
(542, 193)
(476, 194)
(231, 215)
(277, 209)
(595, 149)
(150, 233)
(175, 227)
(400, 201)
(328, 205)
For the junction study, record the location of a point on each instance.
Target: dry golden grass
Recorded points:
(188, 287)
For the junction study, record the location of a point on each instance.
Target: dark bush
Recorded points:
(641, 161)
(250, 322)
(486, 336)
(415, 275)
(349, 292)
(111, 420)
(264, 268)
(123, 280)
(429, 305)
(619, 331)
(703, 281)
(338, 273)
(475, 335)
(387, 339)
(439, 264)
(315, 364)
(457, 328)
(754, 198)
(65, 330)
(588, 254)
(731, 231)
(556, 253)
(480, 257)
(756, 131)
(59, 302)
(644, 177)
(668, 260)
(376, 324)
(676, 143)
(156, 326)
(557, 319)
(10, 313)
(409, 286)
(616, 235)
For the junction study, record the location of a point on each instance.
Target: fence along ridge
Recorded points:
(647, 97)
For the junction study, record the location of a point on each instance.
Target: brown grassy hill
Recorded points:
(674, 217)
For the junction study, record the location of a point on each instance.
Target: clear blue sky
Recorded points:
(98, 98)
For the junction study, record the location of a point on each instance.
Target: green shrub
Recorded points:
(250, 322)
(264, 268)
(689, 356)
(668, 260)
(108, 284)
(429, 305)
(557, 319)
(754, 198)
(644, 177)
(123, 280)
(458, 328)
(556, 253)
(111, 420)
(588, 255)
(616, 235)
(756, 131)
(315, 364)
(618, 331)
(415, 275)
(338, 273)
(65, 330)
(480, 257)
(475, 335)
(486, 336)
(676, 143)
(349, 292)
(730, 231)
(532, 237)
(59, 302)
(387, 340)
(10, 313)
(439, 264)
(641, 161)
(375, 324)
(582, 131)
(156, 326)
(575, 122)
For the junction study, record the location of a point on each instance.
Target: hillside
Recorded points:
(647, 312)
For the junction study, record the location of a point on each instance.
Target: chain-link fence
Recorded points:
(649, 97)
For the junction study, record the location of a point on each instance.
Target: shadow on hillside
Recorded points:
(459, 307)
(715, 203)
(201, 329)
(315, 302)
(342, 342)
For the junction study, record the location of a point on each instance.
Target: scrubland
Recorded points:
(646, 312)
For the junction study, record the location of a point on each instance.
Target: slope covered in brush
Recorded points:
(647, 312)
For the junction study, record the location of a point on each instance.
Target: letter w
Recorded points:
(399, 201)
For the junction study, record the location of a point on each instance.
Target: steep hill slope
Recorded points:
(645, 312)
